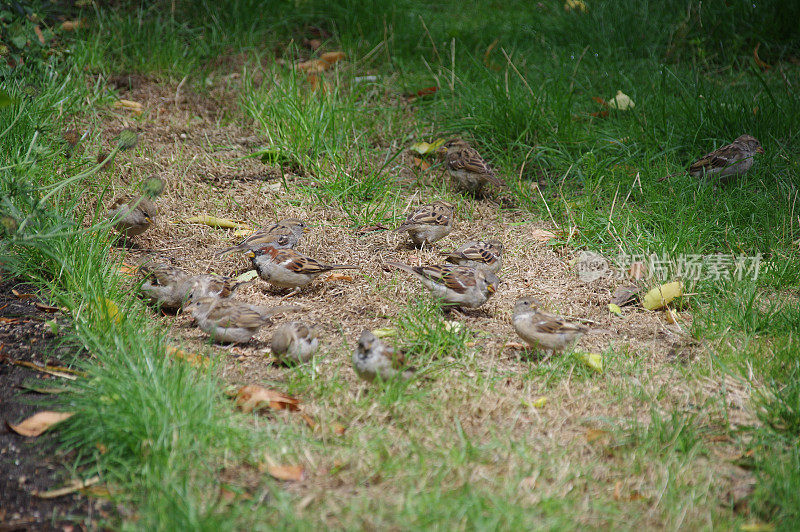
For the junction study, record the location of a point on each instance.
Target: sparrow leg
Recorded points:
(291, 294)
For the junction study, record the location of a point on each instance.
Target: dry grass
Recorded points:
(581, 447)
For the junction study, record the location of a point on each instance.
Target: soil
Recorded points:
(31, 464)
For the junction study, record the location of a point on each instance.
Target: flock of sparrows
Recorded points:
(467, 278)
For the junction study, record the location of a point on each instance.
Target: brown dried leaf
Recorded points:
(291, 473)
(46, 308)
(593, 435)
(19, 295)
(624, 295)
(253, 396)
(339, 429)
(39, 35)
(761, 64)
(339, 276)
(72, 487)
(314, 66)
(191, 358)
(421, 164)
(310, 422)
(38, 423)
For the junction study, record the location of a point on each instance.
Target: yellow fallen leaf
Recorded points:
(539, 402)
(575, 5)
(213, 221)
(332, 57)
(614, 309)
(757, 527)
(135, 107)
(671, 316)
(241, 233)
(385, 332)
(621, 102)
(109, 309)
(71, 25)
(592, 435)
(453, 326)
(592, 360)
(38, 423)
(249, 275)
(424, 148)
(340, 276)
(661, 296)
(191, 358)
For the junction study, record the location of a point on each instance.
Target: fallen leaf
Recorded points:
(427, 91)
(109, 309)
(313, 66)
(253, 396)
(213, 221)
(332, 57)
(542, 235)
(621, 102)
(46, 308)
(134, 107)
(249, 275)
(310, 422)
(385, 332)
(625, 294)
(575, 5)
(661, 296)
(592, 360)
(614, 309)
(761, 64)
(39, 35)
(71, 25)
(193, 359)
(453, 326)
(339, 276)
(72, 487)
(515, 345)
(22, 296)
(539, 402)
(593, 435)
(127, 270)
(670, 316)
(291, 473)
(757, 527)
(38, 423)
(339, 429)
(421, 163)
(424, 148)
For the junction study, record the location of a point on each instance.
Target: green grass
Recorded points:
(525, 103)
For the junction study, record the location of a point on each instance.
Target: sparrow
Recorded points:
(455, 285)
(542, 329)
(284, 234)
(467, 168)
(294, 342)
(429, 223)
(131, 215)
(373, 359)
(731, 160)
(228, 320)
(171, 287)
(482, 255)
(287, 268)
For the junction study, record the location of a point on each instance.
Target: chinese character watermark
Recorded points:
(690, 267)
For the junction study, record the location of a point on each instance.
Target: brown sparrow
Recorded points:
(284, 234)
(731, 160)
(483, 255)
(429, 223)
(467, 167)
(372, 359)
(455, 285)
(171, 286)
(228, 320)
(131, 215)
(542, 329)
(287, 268)
(294, 342)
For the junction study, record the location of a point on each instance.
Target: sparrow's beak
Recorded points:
(491, 288)
(250, 254)
(306, 230)
(760, 150)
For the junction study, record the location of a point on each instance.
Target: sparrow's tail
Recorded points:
(676, 174)
(342, 267)
(400, 265)
(496, 181)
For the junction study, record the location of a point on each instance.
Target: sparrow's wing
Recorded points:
(456, 278)
(720, 158)
(552, 324)
(234, 314)
(478, 251)
(428, 215)
(470, 160)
